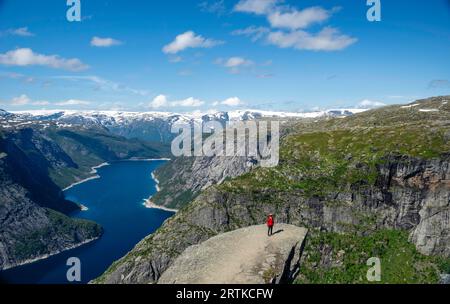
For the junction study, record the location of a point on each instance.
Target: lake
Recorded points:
(115, 201)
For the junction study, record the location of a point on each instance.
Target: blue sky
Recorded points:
(190, 55)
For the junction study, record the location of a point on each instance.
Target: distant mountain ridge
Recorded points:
(373, 183)
(156, 126)
(37, 160)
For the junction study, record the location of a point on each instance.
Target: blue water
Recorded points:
(115, 201)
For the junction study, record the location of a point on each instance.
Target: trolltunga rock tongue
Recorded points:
(244, 256)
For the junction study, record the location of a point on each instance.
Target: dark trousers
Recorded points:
(270, 230)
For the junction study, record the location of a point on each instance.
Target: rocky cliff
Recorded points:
(182, 179)
(243, 256)
(36, 161)
(384, 169)
(30, 202)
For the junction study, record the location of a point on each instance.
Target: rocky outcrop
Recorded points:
(243, 256)
(383, 169)
(405, 190)
(182, 179)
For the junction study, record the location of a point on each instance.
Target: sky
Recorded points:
(200, 55)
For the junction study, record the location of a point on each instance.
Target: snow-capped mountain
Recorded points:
(156, 126)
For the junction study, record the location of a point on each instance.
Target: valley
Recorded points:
(375, 181)
(382, 170)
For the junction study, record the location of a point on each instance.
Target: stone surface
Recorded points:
(401, 199)
(243, 256)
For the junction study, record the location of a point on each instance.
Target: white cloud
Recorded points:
(215, 6)
(161, 101)
(104, 84)
(291, 24)
(73, 102)
(21, 31)
(41, 103)
(256, 33)
(234, 64)
(296, 19)
(231, 102)
(369, 104)
(20, 100)
(328, 39)
(188, 102)
(24, 100)
(189, 40)
(258, 7)
(104, 42)
(26, 57)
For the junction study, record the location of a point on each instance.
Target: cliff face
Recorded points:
(182, 179)
(403, 198)
(35, 163)
(30, 202)
(384, 169)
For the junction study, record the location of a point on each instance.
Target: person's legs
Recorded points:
(270, 230)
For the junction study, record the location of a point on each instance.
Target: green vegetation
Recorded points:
(345, 156)
(333, 154)
(331, 258)
(174, 191)
(40, 242)
(88, 148)
(333, 175)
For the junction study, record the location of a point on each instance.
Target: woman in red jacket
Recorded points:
(270, 223)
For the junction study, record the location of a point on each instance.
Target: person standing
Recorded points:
(270, 224)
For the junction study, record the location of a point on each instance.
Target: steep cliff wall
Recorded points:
(35, 163)
(384, 169)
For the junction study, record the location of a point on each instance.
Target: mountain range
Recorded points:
(153, 126)
(375, 181)
(375, 184)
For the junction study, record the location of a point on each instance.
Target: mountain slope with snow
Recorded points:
(154, 126)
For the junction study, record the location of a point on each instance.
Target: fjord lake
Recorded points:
(115, 200)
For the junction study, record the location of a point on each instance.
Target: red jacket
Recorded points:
(270, 221)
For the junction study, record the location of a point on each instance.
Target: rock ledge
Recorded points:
(243, 256)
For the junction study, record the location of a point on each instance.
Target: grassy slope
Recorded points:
(341, 259)
(331, 155)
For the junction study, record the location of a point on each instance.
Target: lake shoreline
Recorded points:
(93, 171)
(51, 254)
(19, 268)
(148, 202)
(104, 164)
(150, 205)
